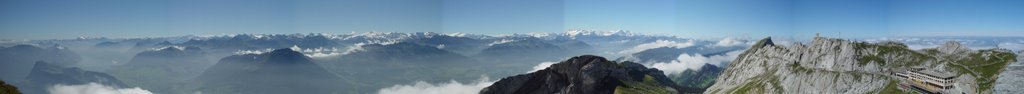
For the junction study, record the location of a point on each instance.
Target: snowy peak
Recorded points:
(574, 33)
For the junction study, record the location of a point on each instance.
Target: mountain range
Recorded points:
(368, 62)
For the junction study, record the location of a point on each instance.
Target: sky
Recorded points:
(64, 19)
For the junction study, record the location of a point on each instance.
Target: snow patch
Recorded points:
(574, 33)
(309, 52)
(319, 51)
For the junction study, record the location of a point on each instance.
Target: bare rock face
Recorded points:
(587, 75)
(1010, 81)
(952, 47)
(830, 66)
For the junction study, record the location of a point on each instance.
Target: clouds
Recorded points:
(309, 52)
(658, 44)
(541, 66)
(1012, 46)
(731, 42)
(94, 88)
(452, 87)
(502, 41)
(695, 62)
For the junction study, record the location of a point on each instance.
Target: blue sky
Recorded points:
(55, 19)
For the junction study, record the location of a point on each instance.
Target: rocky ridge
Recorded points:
(587, 75)
(828, 65)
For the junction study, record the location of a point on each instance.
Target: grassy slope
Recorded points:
(648, 86)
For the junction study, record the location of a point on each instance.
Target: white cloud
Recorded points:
(731, 42)
(541, 66)
(162, 48)
(452, 87)
(1012, 46)
(695, 62)
(657, 44)
(94, 88)
(309, 52)
(502, 41)
(241, 52)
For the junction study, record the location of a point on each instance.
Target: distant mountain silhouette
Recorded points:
(17, 61)
(45, 75)
(281, 71)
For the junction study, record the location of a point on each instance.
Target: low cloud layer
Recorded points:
(694, 62)
(658, 44)
(732, 42)
(541, 66)
(94, 88)
(452, 87)
(1012, 46)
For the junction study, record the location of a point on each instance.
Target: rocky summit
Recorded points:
(587, 74)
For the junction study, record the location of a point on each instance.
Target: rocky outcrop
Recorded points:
(8, 88)
(587, 75)
(827, 65)
(1010, 81)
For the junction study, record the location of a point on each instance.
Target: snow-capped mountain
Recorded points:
(430, 57)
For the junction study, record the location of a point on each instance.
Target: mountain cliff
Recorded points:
(587, 75)
(829, 65)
